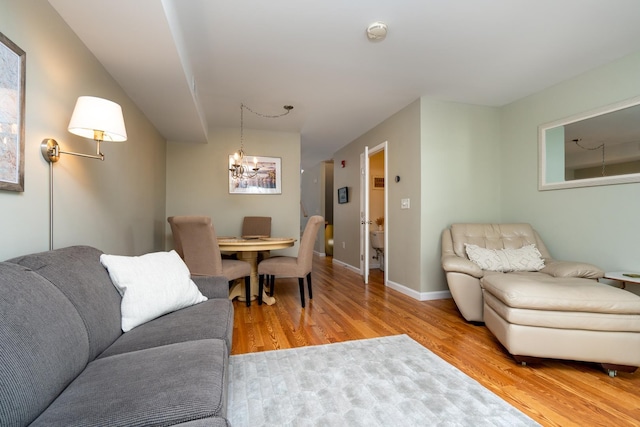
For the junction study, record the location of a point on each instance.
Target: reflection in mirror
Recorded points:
(596, 148)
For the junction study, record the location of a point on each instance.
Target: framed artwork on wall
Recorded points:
(377, 182)
(267, 179)
(343, 195)
(12, 89)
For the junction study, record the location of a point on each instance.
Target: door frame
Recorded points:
(364, 211)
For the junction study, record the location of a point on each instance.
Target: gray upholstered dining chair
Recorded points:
(285, 266)
(195, 241)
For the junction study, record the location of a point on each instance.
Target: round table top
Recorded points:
(259, 244)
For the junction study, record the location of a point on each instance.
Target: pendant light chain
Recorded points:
(288, 109)
(243, 107)
(601, 146)
(238, 169)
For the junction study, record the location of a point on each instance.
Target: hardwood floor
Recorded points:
(552, 392)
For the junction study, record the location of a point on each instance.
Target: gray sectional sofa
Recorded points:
(65, 361)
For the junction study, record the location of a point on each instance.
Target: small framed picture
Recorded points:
(377, 182)
(343, 195)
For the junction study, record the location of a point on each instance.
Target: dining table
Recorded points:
(247, 248)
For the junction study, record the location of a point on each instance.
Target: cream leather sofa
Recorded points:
(559, 311)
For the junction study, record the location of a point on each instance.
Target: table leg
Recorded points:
(252, 258)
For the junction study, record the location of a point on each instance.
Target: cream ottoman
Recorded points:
(539, 316)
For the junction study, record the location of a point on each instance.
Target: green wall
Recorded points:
(460, 170)
(594, 224)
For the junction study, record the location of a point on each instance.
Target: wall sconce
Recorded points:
(94, 118)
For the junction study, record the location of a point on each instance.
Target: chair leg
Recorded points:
(309, 285)
(260, 288)
(301, 283)
(247, 289)
(272, 284)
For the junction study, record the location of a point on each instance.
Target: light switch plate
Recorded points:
(405, 203)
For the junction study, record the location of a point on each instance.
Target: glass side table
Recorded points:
(623, 277)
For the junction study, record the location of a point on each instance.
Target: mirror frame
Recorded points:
(586, 182)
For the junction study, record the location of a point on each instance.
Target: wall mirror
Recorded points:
(599, 147)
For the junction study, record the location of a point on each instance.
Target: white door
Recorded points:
(364, 215)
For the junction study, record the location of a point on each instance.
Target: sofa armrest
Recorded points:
(557, 268)
(212, 286)
(454, 263)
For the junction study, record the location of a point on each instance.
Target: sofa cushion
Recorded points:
(526, 258)
(210, 319)
(151, 285)
(495, 236)
(158, 386)
(77, 272)
(212, 286)
(557, 268)
(43, 344)
(579, 320)
(543, 292)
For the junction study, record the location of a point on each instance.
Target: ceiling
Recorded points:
(188, 64)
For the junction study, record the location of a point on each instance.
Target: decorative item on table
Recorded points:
(380, 223)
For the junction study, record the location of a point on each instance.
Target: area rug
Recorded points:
(389, 381)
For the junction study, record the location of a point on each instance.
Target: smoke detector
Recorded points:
(377, 31)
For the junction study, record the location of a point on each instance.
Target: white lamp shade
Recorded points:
(97, 114)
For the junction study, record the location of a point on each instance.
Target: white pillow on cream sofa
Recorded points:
(527, 258)
(151, 285)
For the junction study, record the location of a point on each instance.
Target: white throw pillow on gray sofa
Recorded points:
(526, 258)
(151, 285)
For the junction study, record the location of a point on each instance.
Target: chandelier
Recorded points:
(238, 166)
(601, 146)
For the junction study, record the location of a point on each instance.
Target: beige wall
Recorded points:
(402, 131)
(116, 205)
(312, 197)
(447, 156)
(197, 182)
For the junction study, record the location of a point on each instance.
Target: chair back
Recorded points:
(195, 241)
(256, 226)
(305, 253)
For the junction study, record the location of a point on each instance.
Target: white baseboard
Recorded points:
(320, 254)
(345, 265)
(420, 296)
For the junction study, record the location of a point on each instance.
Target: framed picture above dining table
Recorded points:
(263, 176)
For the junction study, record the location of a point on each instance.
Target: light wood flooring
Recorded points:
(552, 392)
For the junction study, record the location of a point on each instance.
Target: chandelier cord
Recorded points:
(601, 146)
(238, 169)
(288, 109)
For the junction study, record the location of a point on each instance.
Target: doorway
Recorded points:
(377, 209)
(374, 209)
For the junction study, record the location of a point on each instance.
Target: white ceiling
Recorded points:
(188, 64)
